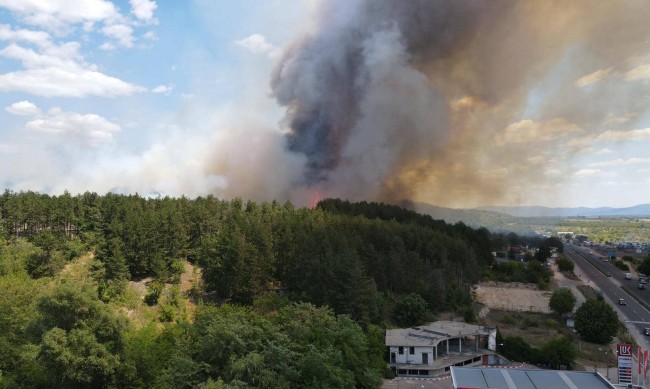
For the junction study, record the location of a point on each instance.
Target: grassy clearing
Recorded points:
(587, 291)
(535, 328)
(175, 304)
(591, 354)
(538, 328)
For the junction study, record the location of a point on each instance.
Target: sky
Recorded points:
(455, 103)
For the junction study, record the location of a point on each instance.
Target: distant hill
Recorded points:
(642, 210)
(492, 220)
(522, 219)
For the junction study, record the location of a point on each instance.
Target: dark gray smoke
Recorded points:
(352, 87)
(452, 101)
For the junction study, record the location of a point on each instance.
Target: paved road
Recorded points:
(595, 269)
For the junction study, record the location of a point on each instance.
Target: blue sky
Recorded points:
(98, 94)
(174, 98)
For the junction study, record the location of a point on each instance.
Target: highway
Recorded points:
(595, 269)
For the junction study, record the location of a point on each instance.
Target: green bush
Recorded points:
(621, 265)
(468, 315)
(565, 264)
(562, 301)
(508, 319)
(596, 321)
(166, 313)
(177, 269)
(154, 288)
(411, 310)
(109, 290)
(528, 322)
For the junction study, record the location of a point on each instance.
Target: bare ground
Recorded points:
(517, 297)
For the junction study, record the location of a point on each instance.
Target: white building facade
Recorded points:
(431, 349)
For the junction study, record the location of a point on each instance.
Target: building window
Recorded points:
(412, 350)
(401, 350)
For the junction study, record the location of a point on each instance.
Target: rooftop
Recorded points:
(502, 378)
(433, 333)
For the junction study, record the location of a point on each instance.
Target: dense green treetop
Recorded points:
(345, 270)
(562, 301)
(596, 321)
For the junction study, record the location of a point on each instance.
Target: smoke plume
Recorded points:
(455, 102)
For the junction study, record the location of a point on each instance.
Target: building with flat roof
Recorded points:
(503, 378)
(430, 350)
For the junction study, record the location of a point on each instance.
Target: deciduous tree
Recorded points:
(562, 301)
(596, 321)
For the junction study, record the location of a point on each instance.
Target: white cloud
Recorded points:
(553, 173)
(64, 82)
(39, 38)
(23, 108)
(577, 144)
(65, 55)
(107, 46)
(143, 9)
(150, 36)
(62, 16)
(590, 173)
(593, 77)
(611, 135)
(59, 70)
(57, 15)
(612, 119)
(90, 127)
(528, 131)
(604, 151)
(163, 89)
(620, 162)
(257, 44)
(536, 160)
(120, 32)
(638, 73)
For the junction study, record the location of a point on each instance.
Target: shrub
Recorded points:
(155, 288)
(411, 310)
(166, 313)
(621, 265)
(528, 322)
(508, 319)
(562, 301)
(565, 264)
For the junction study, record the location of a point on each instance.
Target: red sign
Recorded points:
(624, 350)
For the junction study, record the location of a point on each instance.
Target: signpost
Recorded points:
(624, 353)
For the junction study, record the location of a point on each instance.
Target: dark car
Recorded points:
(621, 302)
(641, 286)
(646, 331)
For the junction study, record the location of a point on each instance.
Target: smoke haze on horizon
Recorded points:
(454, 103)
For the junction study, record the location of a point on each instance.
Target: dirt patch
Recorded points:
(190, 277)
(140, 286)
(79, 269)
(516, 297)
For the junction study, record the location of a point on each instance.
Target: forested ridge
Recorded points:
(343, 267)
